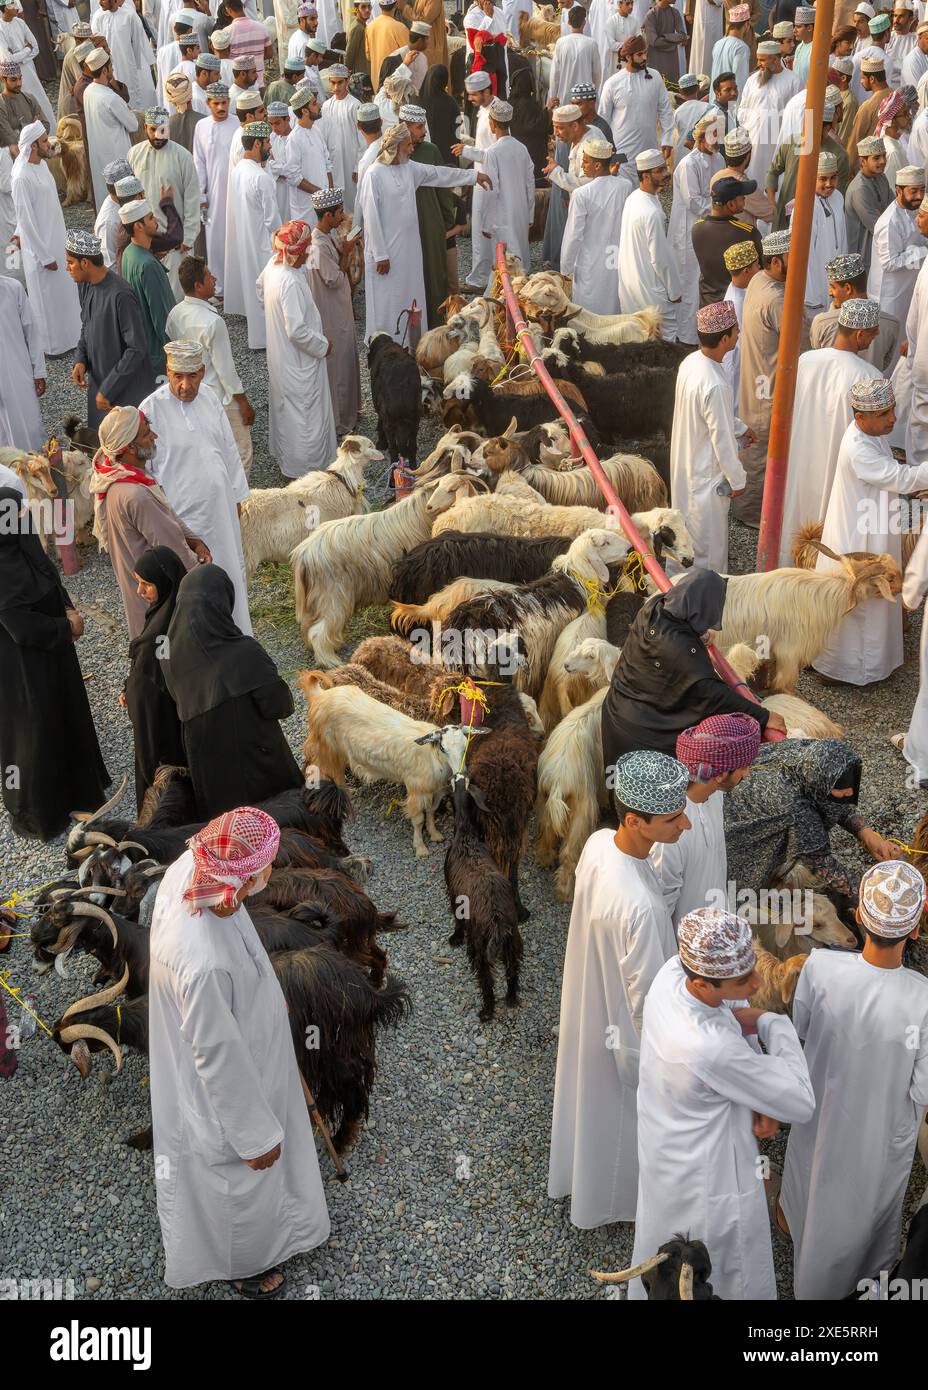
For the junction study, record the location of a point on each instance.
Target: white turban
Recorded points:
(27, 138)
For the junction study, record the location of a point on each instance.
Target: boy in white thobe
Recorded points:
(340, 131)
(717, 753)
(619, 937)
(107, 223)
(864, 1019)
(40, 227)
(899, 246)
(509, 205)
(829, 233)
(240, 1190)
(822, 411)
(705, 470)
(731, 53)
(648, 275)
(742, 263)
(868, 645)
(252, 218)
(691, 200)
(301, 426)
(594, 229)
(706, 1094)
(212, 141)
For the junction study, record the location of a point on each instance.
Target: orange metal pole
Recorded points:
(784, 393)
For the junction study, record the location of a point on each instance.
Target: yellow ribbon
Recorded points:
(634, 570)
(13, 991)
(23, 894)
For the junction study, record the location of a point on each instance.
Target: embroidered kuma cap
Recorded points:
(872, 393)
(844, 268)
(739, 256)
(715, 944)
(892, 898)
(651, 783)
(716, 318)
(859, 313)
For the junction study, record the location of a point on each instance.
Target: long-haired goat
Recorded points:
(570, 347)
(543, 294)
(481, 555)
(275, 519)
(582, 662)
(802, 720)
(396, 394)
(799, 611)
(635, 479)
(474, 404)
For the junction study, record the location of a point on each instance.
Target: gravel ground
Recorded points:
(447, 1194)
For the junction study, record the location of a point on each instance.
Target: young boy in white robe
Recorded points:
(717, 753)
(619, 937)
(742, 264)
(706, 1094)
(509, 206)
(594, 229)
(691, 201)
(864, 1019)
(829, 233)
(861, 516)
(705, 470)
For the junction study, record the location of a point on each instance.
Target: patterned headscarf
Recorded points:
(290, 241)
(719, 744)
(227, 852)
(889, 108)
(117, 430)
(391, 143)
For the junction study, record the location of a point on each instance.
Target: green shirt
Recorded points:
(149, 279)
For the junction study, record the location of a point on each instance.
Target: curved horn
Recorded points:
(99, 888)
(132, 844)
(826, 550)
(96, 1001)
(86, 1030)
(84, 820)
(66, 938)
(155, 869)
(96, 837)
(686, 1283)
(94, 910)
(623, 1275)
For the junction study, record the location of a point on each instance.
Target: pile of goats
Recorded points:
(319, 927)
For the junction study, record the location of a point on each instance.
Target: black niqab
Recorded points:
(211, 660)
(156, 728)
(26, 573)
(162, 567)
(698, 600)
(441, 109)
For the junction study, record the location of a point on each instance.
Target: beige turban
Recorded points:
(177, 89)
(391, 142)
(118, 429)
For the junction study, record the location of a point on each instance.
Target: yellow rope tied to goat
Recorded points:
(909, 849)
(596, 596)
(13, 992)
(23, 895)
(474, 693)
(633, 569)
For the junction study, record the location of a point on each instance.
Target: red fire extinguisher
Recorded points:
(413, 330)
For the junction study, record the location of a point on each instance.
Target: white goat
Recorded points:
(348, 563)
(796, 612)
(275, 519)
(635, 479)
(552, 299)
(571, 782)
(350, 729)
(568, 685)
(802, 720)
(476, 331)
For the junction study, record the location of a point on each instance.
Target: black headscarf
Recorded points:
(698, 600)
(162, 567)
(211, 660)
(441, 108)
(531, 123)
(26, 573)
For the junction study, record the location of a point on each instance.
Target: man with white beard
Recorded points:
(594, 229)
(634, 102)
(648, 275)
(119, 23)
(109, 122)
(252, 219)
(159, 162)
(212, 140)
(510, 203)
(309, 156)
(692, 200)
(760, 108)
(18, 45)
(899, 245)
(41, 234)
(340, 132)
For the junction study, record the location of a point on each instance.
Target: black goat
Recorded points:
(632, 404)
(119, 944)
(621, 611)
(476, 405)
(679, 1272)
(479, 555)
(169, 800)
(482, 901)
(568, 346)
(303, 891)
(396, 393)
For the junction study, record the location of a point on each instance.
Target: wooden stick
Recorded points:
(323, 1128)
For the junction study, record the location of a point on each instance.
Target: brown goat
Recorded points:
(778, 980)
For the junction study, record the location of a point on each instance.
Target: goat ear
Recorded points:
(781, 933)
(477, 796)
(510, 429)
(433, 737)
(884, 590)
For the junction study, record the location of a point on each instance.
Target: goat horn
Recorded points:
(96, 1001)
(623, 1275)
(96, 837)
(826, 550)
(83, 820)
(155, 869)
(94, 910)
(86, 1030)
(81, 853)
(65, 939)
(98, 888)
(132, 844)
(686, 1283)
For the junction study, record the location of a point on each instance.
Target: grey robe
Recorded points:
(331, 291)
(864, 202)
(882, 351)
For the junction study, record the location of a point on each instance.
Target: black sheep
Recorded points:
(477, 554)
(397, 395)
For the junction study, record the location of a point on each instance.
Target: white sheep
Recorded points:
(350, 729)
(348, 563)
(542, 293)
(275, 519)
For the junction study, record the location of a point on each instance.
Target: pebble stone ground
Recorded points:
(447, 1193)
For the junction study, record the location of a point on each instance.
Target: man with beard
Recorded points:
(41, 236)
(765, 94)
(159, 163)
(899, 246)
(648, 274)
(635, 102)
(252, 219)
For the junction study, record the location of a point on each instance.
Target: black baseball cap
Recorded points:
(723, 190)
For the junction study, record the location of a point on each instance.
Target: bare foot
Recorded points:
(268, 1282)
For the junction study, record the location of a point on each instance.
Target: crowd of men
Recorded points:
(233, 164)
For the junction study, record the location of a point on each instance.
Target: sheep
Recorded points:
(802, 720)
(349, 729)
(552, 300)
(574, 673)
(396, 393)
(275, 519)
(571, 791)
(775, 930)
(481, 555)
(798, 611)
(482, 902)
(348, 563)
(473, 403)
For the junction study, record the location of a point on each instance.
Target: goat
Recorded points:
(35, 473)
(552, 300)
(775, 930)
(798, 611)
(779, 978)
(569, 347)
(474, 404)
(531, 616)
(536, 31)
(482, 555)
(169, 800)
(275, 519)
(571, 791)
(548, 444)
(348, 563)
(395, 391)
(360, 678)
(68, 145)
(634, 404)
(349, 729)
(453, 451)
(679, 1272)
(480, 314)
(435, 346)
(802, 719)
(483, 903)
(581, 663)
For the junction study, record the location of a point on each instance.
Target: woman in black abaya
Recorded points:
(229, 697)
(50, 762)
(156, 729)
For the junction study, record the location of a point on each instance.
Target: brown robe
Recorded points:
(331, 291)
(383, 36)
(134, 521)
(761, 321)
(864, 124)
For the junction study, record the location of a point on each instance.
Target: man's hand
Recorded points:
(52, 265)
(76, 622)
(354, 176)
(328, 351)
(183, 247)
(550, 167)
(39, 385)
(667, 151)
(266, 1160)
(775, 721)
(747, 1019)
(488, 235)
(552, 104)
(736, 493)
(383, 267)
(246, 410)
(457, 150)
(749, 437)
(102, 402)
(167, 191)
(765, 1126)
(484, 181)
(200, 549)
(904, 348)
(79, 374)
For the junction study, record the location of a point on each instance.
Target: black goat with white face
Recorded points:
(679, 1272)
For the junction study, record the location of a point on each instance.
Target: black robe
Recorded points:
(229, 698)
(113, 346)
(50, 761)
(156, 728)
